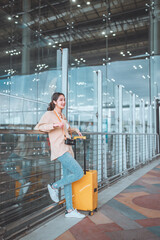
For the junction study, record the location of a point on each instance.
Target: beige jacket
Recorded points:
(56, 135)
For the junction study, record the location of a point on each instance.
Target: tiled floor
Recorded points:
(134, 214)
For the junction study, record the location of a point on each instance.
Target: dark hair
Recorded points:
(54, 97)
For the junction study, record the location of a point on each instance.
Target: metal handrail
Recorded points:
(25, 131)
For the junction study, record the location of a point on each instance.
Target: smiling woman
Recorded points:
(55, 123)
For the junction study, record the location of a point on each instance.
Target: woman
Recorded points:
(55, 123)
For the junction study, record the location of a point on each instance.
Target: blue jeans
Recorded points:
(72, 172)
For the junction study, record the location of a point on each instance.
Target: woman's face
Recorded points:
(61, 102)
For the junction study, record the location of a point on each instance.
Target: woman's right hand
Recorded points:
(59, 124)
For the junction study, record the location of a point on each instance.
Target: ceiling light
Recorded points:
(88, 3)
(80, 83)
(103, 33)
(78, 5)
(73, 0)
(9, 18)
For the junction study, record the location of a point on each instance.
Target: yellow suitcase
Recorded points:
(85, 190)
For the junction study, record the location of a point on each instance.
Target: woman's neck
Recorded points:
(58, 110)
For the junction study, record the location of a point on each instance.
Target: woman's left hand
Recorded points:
(79, 133)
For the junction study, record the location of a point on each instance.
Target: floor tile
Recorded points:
(157, 185)
(110, 227)
(135, 187)
(129, 199)
(66, 236)
(99, 218)
(156, 169)
(155, 230)
(151, 201)
(154, 173)
(149, 222)
(125, 210)
(123, 221)
(87, 230)
(136, 234)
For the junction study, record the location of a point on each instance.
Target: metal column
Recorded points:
(99, 111)
(120, 113)
(26, 37)
(65, 77)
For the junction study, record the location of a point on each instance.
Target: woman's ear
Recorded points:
(54, 102)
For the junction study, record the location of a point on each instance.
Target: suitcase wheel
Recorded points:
(91, 213)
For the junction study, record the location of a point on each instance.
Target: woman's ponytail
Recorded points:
(51, 106)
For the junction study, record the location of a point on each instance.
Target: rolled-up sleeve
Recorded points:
(44, 124)
(72, 130)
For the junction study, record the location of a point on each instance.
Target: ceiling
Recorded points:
(95, 31)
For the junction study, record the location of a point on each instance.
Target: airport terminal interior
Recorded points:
(104, 55)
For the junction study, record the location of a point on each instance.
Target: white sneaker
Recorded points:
(74, 214)
(53, 193)
(26, 187)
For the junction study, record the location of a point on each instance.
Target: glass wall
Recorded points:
(30, 71)
(33, 36)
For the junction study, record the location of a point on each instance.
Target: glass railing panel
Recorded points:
(137, 115)
(25, 171)
(109, 106)
(126, 108)
(147, 128)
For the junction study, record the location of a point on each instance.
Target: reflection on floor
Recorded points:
(134, 214)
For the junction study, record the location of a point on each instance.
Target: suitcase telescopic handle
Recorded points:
(84, 144)
(79, 137)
